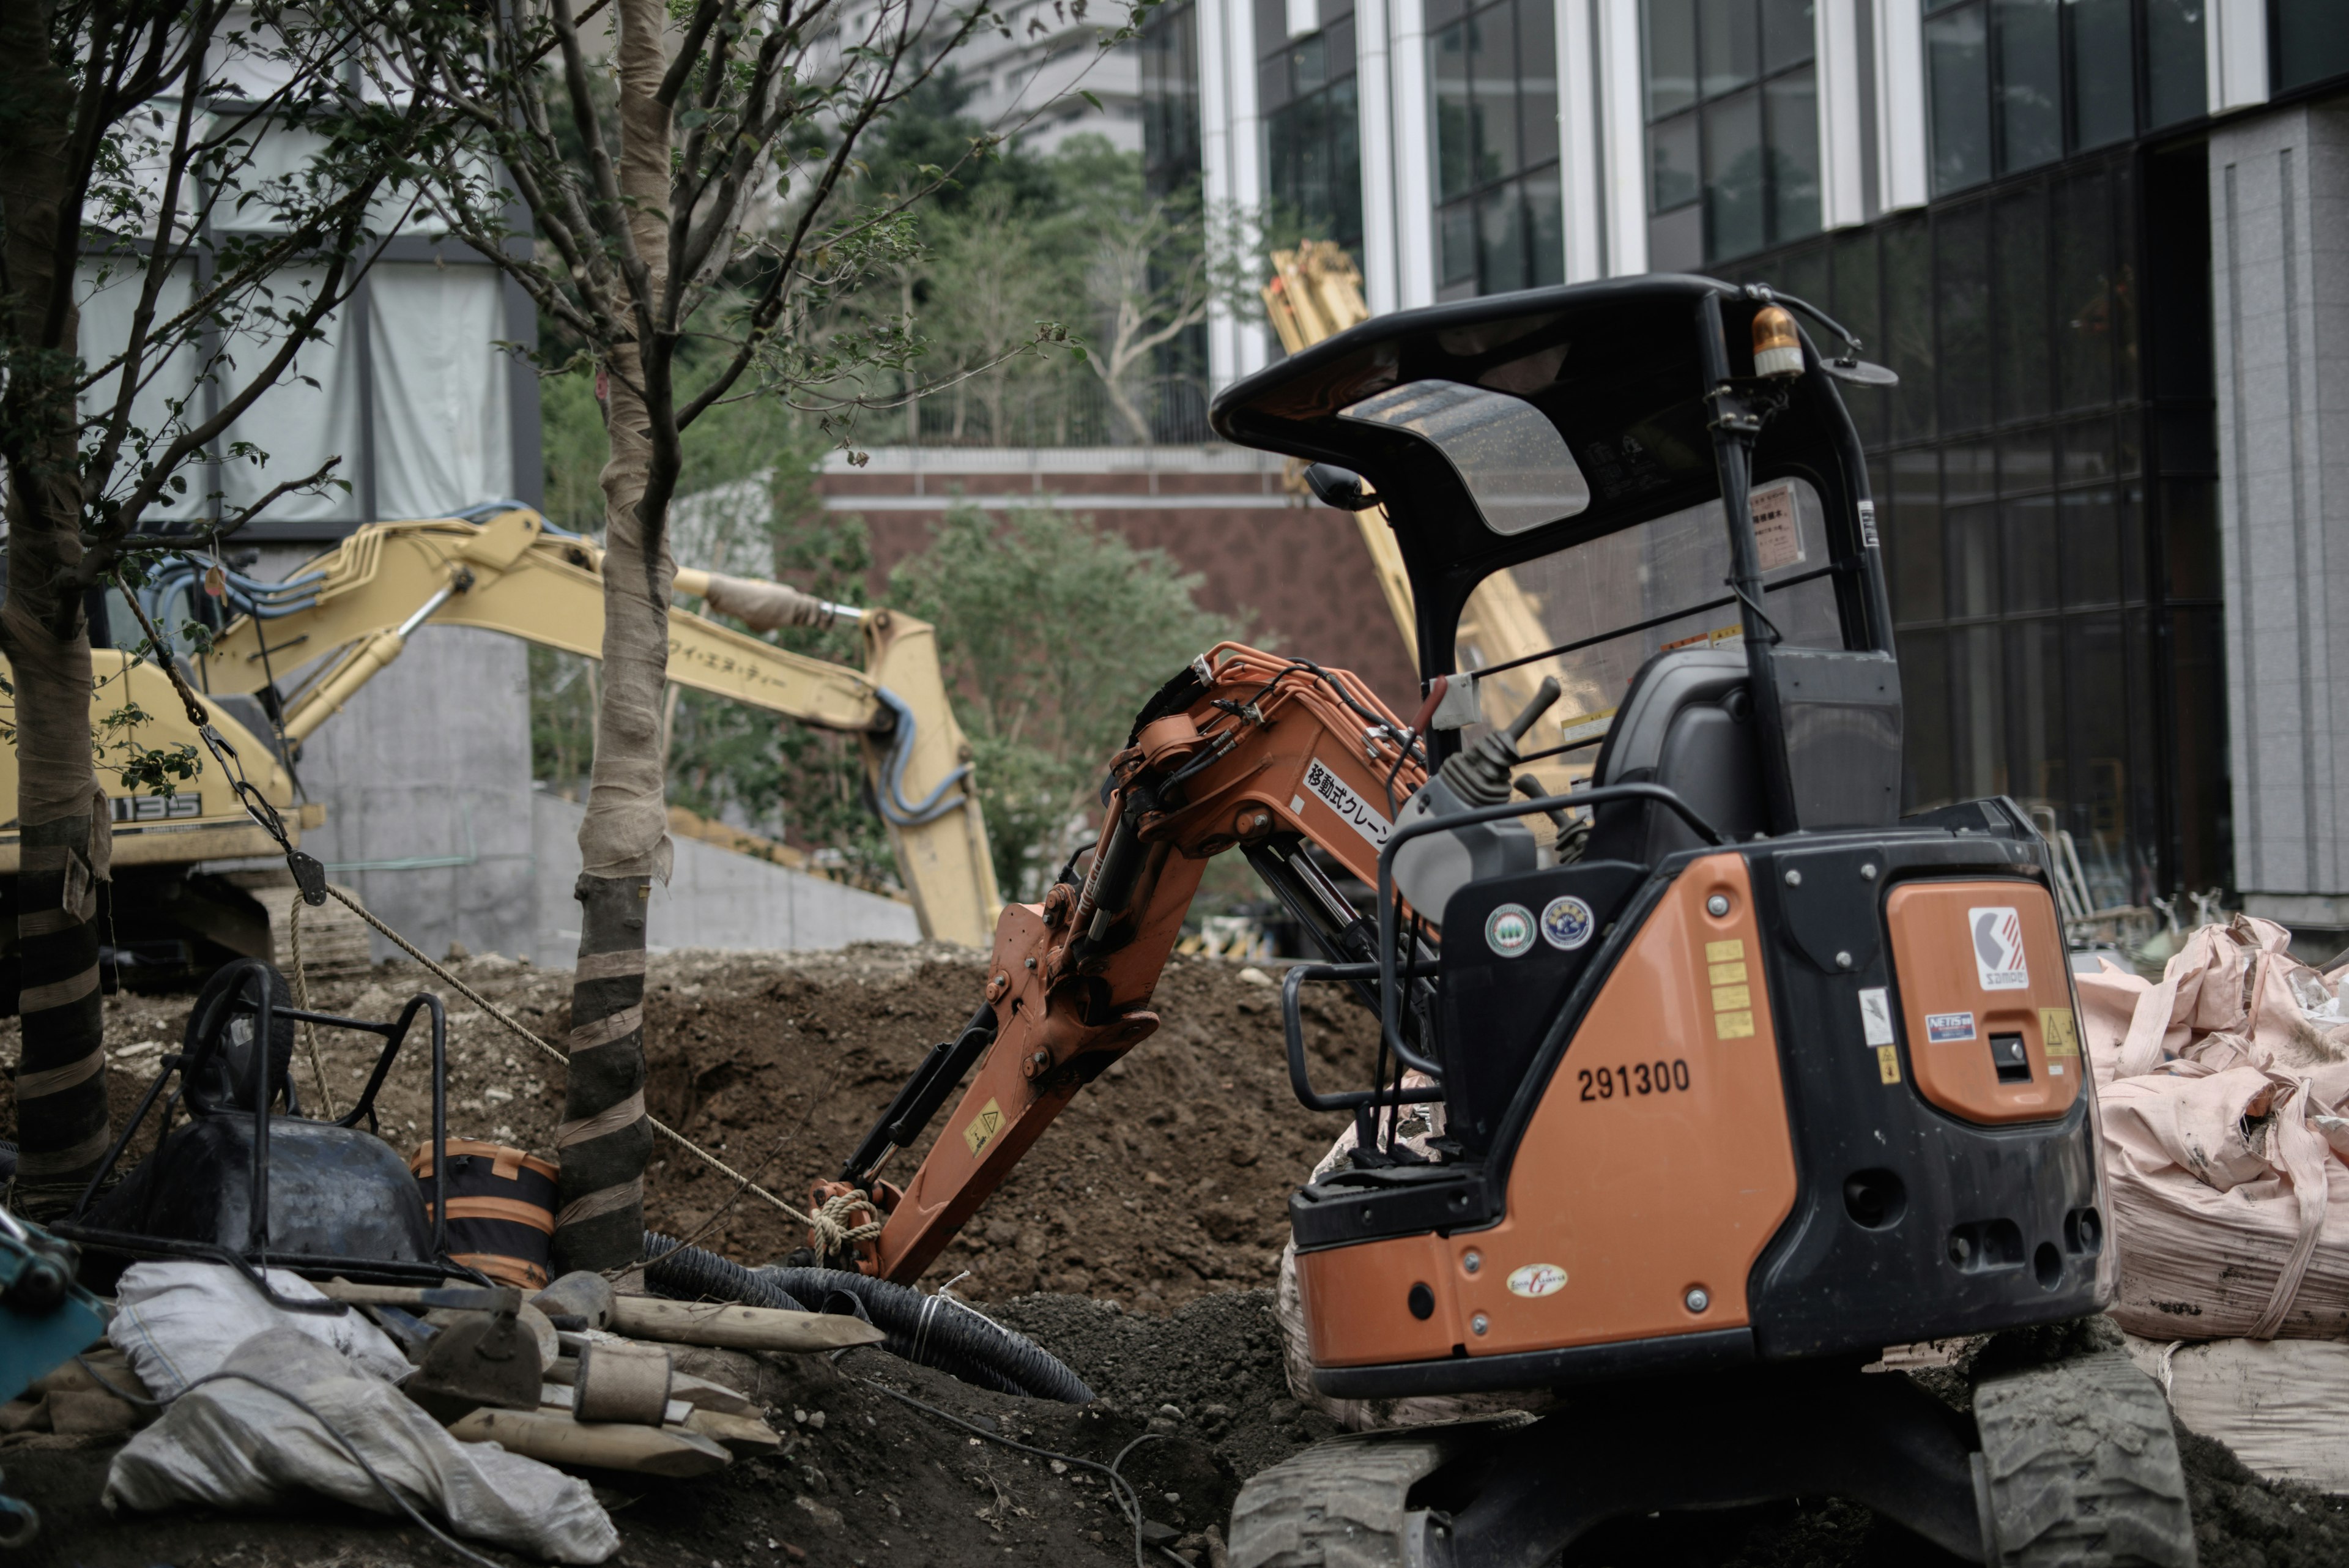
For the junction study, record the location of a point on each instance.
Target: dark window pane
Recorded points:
(1673, 175)
(1545, 230)
(2088, 451)
(2143, 787)
(1733, 176)
(1536, 82)
(2034, 674)
(2031, 559)
(1927, 778)
(2131, 522)
(2311, 40)
(1492, 69)
(2084, 286)
(1962, 244)
(1793, 105)
(1272, 87)
(2104, 98)
(1501, 241)
(1909, 327)
(2176, 80)
(2190, 538)
(1309, 63)
(2090, 524)
(1788, 34)
(2098, 732)
(1339, 46)
(2030, 84)
(1670, 28)
(1915, 535)
(1455, 143)
(1857, 286)
(2197, 759)
(2019, 364)
(1804, 274)
(1271, 23)
(2025, 462)
(1458, 225)
(2132, 449)
(1676, 240)
(1979, 713)
(2124, 292)
(1957, 69)
(1970, 473)
(1732, 51)
(1973, 560)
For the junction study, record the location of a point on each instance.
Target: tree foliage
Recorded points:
(1054, 633)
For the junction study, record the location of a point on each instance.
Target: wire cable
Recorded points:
(1129, 1499)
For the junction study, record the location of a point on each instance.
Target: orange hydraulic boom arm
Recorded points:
(1244, 750)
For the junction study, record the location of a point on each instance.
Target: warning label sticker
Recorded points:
(983, 1127)
(1338, 796)
(1876, 1015)
(1777, 533)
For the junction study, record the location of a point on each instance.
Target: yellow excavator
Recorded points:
(1316, 292)
(304, 646)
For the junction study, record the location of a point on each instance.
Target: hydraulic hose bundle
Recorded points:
(927, 1330)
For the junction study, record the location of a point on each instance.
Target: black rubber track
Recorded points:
(927, 1330)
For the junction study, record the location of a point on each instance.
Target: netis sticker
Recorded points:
(1510, 929)
(1566, 922)
(1338, 795)
(1537, 1280)
(1941, 1028)
(1998, 949)
(1876, 1015)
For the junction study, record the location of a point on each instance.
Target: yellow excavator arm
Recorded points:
(344, 615)
(1316, 293)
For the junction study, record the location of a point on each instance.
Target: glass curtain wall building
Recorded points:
(2091, 235)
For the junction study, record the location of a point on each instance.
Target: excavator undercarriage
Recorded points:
(1743, 1077)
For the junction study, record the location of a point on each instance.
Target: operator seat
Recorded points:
(1686, 723)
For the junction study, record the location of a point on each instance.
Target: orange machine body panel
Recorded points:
(1980, 964)
(1658, 1162)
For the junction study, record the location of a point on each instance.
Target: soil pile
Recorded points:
(1168, 1178)
(1150, 1216)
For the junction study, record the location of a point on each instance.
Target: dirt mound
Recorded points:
(1167, 1179)
(1153, 1212)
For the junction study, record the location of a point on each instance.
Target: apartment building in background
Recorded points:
(2101, 243)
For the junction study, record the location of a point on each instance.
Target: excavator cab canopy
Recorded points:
(1577, 444)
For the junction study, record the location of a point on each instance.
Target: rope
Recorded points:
(827, 1222)
(302, 1000)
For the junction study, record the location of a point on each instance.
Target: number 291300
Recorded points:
(1636, 1078)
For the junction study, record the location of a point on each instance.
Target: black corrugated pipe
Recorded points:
(927, 1330)
(692, 1274)
(936, 1331)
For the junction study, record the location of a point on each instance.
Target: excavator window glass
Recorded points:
(1606, 605)
(1514, 465)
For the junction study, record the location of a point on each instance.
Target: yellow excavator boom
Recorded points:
(347, 614)
(1315, 293)
(357, 605)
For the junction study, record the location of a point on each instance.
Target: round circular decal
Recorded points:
(1567, 922)
(1510, 929)
(1537, 1280)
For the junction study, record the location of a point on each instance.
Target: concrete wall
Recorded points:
(2279, 287)
(426, 780)
(715, 899)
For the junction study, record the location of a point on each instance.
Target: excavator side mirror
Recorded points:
(1339, 487)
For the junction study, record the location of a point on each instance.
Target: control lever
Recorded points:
(1430, 869)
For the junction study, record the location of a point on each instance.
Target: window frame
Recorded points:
(1518, 183)
(1698, 113)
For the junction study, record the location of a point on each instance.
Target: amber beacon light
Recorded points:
(1777, 351)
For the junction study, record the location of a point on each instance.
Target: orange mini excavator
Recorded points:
(1745, 1077)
